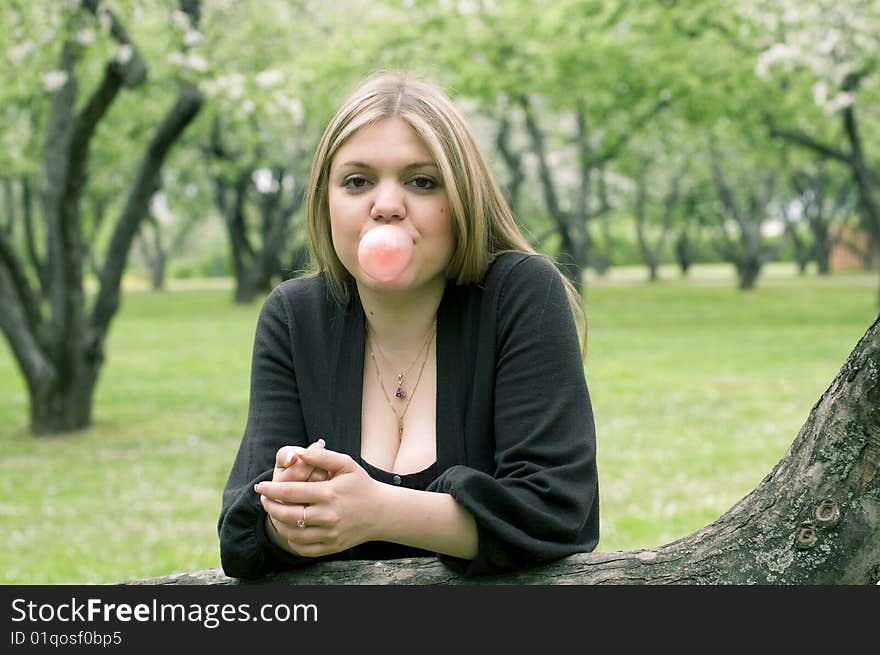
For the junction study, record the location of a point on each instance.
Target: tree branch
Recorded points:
(16, 324)
(130, 67)
(19, 287)
(185, 109)
(611, 151)
(550, 196)
(802, 139)
(513, 162)
(725, 191)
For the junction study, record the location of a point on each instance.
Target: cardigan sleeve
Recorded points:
(274, 419)
(541, 501)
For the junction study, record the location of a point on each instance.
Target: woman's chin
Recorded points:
(398, 283)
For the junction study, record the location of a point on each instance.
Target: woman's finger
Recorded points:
(331, 461)
(293, 493)
(286, 515)
(318, 475)
(299, 470)
(297, 524)
(287, 455)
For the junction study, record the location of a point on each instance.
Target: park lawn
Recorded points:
(698, 390)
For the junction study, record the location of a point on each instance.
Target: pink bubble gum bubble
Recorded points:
(384, 252)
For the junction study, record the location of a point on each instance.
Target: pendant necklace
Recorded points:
(401, 392)
(401, 415)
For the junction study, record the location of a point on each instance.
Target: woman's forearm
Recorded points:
(425, 519)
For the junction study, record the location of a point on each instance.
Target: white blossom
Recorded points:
(181, 20)
(191, 61)
(197, 63)
(268, 78)
(85, 36)
(231, 85)
(291, 105)
(54, 80)
(20, 51)
(264, 181)
(124, 53)
(176, 58)
(160, 209)
(772, 228)
(777, 54)
(839, 101)
(192, 37)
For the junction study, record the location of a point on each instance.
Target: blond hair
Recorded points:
(483, 223)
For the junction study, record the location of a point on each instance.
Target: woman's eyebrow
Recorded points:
(417, 164)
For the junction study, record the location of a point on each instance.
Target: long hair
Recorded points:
(483, 224)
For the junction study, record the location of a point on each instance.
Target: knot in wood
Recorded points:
(827, 513)
(806, 537)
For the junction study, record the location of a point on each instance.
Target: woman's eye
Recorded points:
(423, 182)
(355, 182)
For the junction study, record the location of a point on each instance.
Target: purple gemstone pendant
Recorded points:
(400, 393)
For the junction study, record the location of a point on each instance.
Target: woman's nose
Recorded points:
(388, 203)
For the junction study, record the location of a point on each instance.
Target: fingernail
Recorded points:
(257, 487)
(322, 442)
(290, 459)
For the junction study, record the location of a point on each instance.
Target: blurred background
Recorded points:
(705, 172)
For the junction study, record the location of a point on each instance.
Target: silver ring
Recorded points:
(302, 522)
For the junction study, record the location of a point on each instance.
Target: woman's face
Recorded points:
(384, 174)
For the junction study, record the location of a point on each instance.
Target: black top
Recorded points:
(515, 432)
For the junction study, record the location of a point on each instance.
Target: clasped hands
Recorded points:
(319, 501)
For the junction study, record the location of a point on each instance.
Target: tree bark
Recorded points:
(813, 520)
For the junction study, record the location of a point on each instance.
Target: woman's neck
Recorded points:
(400, 321)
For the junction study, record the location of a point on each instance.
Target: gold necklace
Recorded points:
(402, 414)
(401, 393)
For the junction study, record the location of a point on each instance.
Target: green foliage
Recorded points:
(273, 72)
(697, 389)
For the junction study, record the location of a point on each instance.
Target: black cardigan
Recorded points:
(515, 432)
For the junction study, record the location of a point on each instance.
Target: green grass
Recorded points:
(698, 390)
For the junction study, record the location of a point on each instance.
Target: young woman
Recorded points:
(439, 409)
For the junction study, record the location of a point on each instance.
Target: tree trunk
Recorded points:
(250, 286)
(60, 354)
(684, 254)
(813, 520)
(153, 252)
(652, 255)
(57, 409)
(822, 252)
(748, 270)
